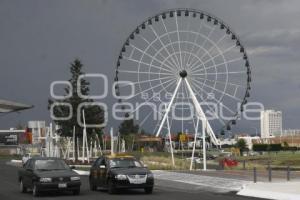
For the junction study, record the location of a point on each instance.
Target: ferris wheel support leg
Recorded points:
(168, 108)
(204, 143)
(194, 146)
(201, 114)
(205, 125)
(170, 140)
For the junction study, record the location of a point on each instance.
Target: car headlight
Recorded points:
(121, 177)
(150, 175)
(75, 178)
(45, 180)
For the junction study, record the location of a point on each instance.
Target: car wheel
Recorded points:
(148, 190)
(23, 189)
(35, 191)
(111, 187)
(76, 192)
(92, 186)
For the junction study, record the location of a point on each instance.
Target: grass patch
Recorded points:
(278, 160)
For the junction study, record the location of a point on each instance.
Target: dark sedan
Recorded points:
(48, 174)
(120, 172)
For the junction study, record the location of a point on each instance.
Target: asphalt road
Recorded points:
(9, 189)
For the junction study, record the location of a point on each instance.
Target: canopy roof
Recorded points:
(10, 106)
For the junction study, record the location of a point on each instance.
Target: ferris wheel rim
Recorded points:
(213, 18)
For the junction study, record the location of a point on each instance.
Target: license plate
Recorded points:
(62, 185)
(137, 181)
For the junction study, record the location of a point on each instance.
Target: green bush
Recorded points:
(267, 147)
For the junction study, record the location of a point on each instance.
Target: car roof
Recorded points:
(45, 158)
(120, 156)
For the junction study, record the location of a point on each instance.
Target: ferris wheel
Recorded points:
(179, 58)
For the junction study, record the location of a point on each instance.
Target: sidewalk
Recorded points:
(278, 191)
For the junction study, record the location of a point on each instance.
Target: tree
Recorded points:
(93, 114)
(128, 127)
(242, 145)
(128, 130)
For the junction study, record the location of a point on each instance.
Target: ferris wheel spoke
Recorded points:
(146, 118)
(219, 73)
(213, 98)
(170, 41)
(178, 41)
(156, 50)
(212, 57)
(164, 46)
(221, 82)
(204, 43)
(187, 32)
(153, 58)
(169, 84)
(146, 81)
(195, 42)
(151, 65)
(139, 72)
(192, 64)
(156, 86)
(211, 48)
(217, 90)
(219, 64)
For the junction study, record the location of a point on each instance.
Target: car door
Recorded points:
(102, 172)
(94, 173)
(28, 173)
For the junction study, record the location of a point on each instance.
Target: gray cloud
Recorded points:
(40, 38)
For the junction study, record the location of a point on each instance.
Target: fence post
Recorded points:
(244, 165)
(270, 172)
(288, 173)
(254, 175)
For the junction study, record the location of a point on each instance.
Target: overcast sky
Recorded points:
(38, 40)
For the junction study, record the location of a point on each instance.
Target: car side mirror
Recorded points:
(102, 167)
(72, 167)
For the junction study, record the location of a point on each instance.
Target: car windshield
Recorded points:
(124, 163)
(51, 165)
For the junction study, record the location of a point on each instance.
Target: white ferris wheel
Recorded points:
(191, 66)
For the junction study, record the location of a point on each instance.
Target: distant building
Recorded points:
(37, 129)
(270, 123)
(290, 140)
(290, 132)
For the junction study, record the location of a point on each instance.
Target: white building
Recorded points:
(270, 123)
(36, 128)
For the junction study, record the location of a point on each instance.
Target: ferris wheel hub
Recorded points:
(183, 73)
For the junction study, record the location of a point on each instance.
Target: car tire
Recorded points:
(35, 191)
(23, 189)
(76, 192)
(148, 190)
(111, 187)
(92, 186)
